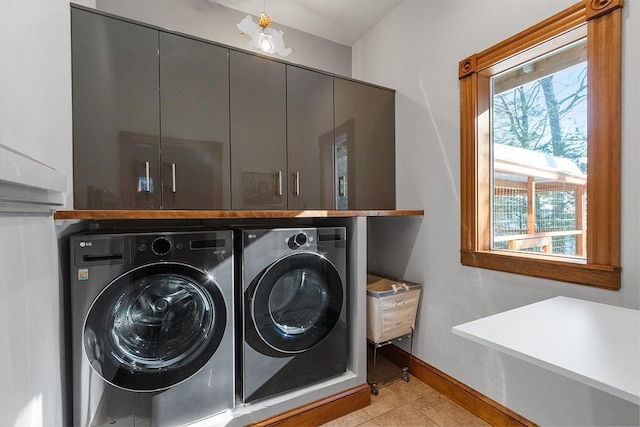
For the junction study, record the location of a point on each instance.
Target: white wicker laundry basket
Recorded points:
(391, 308)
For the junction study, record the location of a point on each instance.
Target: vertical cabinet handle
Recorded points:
(341, 186)
(146, 171)
(296, 183)
(279, 179)
(173, 177)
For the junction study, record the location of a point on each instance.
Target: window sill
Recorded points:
(601, 276)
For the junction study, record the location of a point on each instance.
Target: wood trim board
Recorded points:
(227, 214)
(323, 410)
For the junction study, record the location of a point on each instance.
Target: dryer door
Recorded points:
(295, 303)
(154, 326)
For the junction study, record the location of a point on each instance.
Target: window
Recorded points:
(540, 149)
(538, 116)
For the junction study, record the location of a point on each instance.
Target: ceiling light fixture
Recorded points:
(262, 36)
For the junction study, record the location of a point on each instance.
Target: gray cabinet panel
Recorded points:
(115, 114)
(165, 121)
(258, 132)
(194, 111)
(364, 146)
(310, 139)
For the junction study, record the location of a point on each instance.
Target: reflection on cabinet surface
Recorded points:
(164, 121)
(191, 159)
(364, 146)
(115, 88)
(194, 123)
(151, 118)
(258, 132)
(310, 150)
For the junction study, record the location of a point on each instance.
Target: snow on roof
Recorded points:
(516, 160)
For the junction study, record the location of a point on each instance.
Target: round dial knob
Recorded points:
(161, 246)
(297, 240)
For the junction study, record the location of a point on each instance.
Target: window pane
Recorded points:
(539, 154)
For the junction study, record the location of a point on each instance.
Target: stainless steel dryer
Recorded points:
(294, 301)
(152, 335)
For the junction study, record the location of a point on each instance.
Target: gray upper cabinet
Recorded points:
(194, 123)
(150, 116)
(364, 146)
(310, 139)
(116, 126)
(164, 121)
(258, 132)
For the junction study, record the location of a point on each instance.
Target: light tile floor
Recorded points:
(401, 403)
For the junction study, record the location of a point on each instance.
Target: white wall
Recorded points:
(31, 332)
(425, 41)
(213, 21)
(35, 80)
(35, 118)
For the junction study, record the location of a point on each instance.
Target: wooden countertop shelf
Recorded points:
(227, 214)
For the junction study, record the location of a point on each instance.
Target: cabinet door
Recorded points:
(258, 132)
(115, 114)
(310, 139)
(194, 111)
(364, 146)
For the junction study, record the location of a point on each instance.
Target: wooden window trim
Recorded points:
(601, 21)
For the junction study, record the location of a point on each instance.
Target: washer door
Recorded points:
(154, 326)
(296, 302)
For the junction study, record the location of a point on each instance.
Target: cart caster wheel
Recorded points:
(374, 389)
(405, 377)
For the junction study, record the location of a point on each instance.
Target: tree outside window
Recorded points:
(539, 151)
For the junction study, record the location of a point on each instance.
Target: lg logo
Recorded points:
(86, 244)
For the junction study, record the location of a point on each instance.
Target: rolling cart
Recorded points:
(391, 314)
